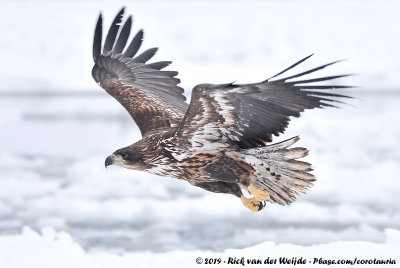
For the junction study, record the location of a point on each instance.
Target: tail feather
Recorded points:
(299, 165)
(296, 153)
(283, 144)
(278, 172)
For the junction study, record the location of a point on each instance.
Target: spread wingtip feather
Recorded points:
(112, 33)
(97, 37)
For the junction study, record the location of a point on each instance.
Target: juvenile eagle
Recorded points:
(219, 141)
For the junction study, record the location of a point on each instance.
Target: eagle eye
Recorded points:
(125, 156)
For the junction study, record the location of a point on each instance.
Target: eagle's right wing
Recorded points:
(151, 96)
(220, 117)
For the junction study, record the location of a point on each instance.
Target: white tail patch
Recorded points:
(277, 172)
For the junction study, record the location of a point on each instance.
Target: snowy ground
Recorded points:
(57, 127)
(52, 249)
(53, 175)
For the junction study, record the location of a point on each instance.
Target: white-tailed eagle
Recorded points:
(220, 141)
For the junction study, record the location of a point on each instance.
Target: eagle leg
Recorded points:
(252, 203)
(258, 193)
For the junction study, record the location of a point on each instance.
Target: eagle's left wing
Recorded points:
(150, 96)
(229, 115)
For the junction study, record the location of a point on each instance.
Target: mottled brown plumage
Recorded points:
(219, 141)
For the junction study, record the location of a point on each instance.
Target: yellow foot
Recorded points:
(258, 193)
(252, 203)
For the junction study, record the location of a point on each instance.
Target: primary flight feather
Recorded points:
(220, 141)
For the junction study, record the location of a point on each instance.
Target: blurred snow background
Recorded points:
(57, 126)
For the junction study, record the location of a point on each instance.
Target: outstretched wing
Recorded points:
(220, 116)
(151, 96)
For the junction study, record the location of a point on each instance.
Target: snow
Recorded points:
(57, 131)
(57, 249)
(209, 41)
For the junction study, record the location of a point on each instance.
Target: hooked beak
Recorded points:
(109, 161)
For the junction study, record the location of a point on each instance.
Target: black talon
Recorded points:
(261, 205)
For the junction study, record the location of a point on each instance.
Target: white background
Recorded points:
(57, 127)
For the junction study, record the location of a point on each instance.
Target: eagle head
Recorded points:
(127, 157)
